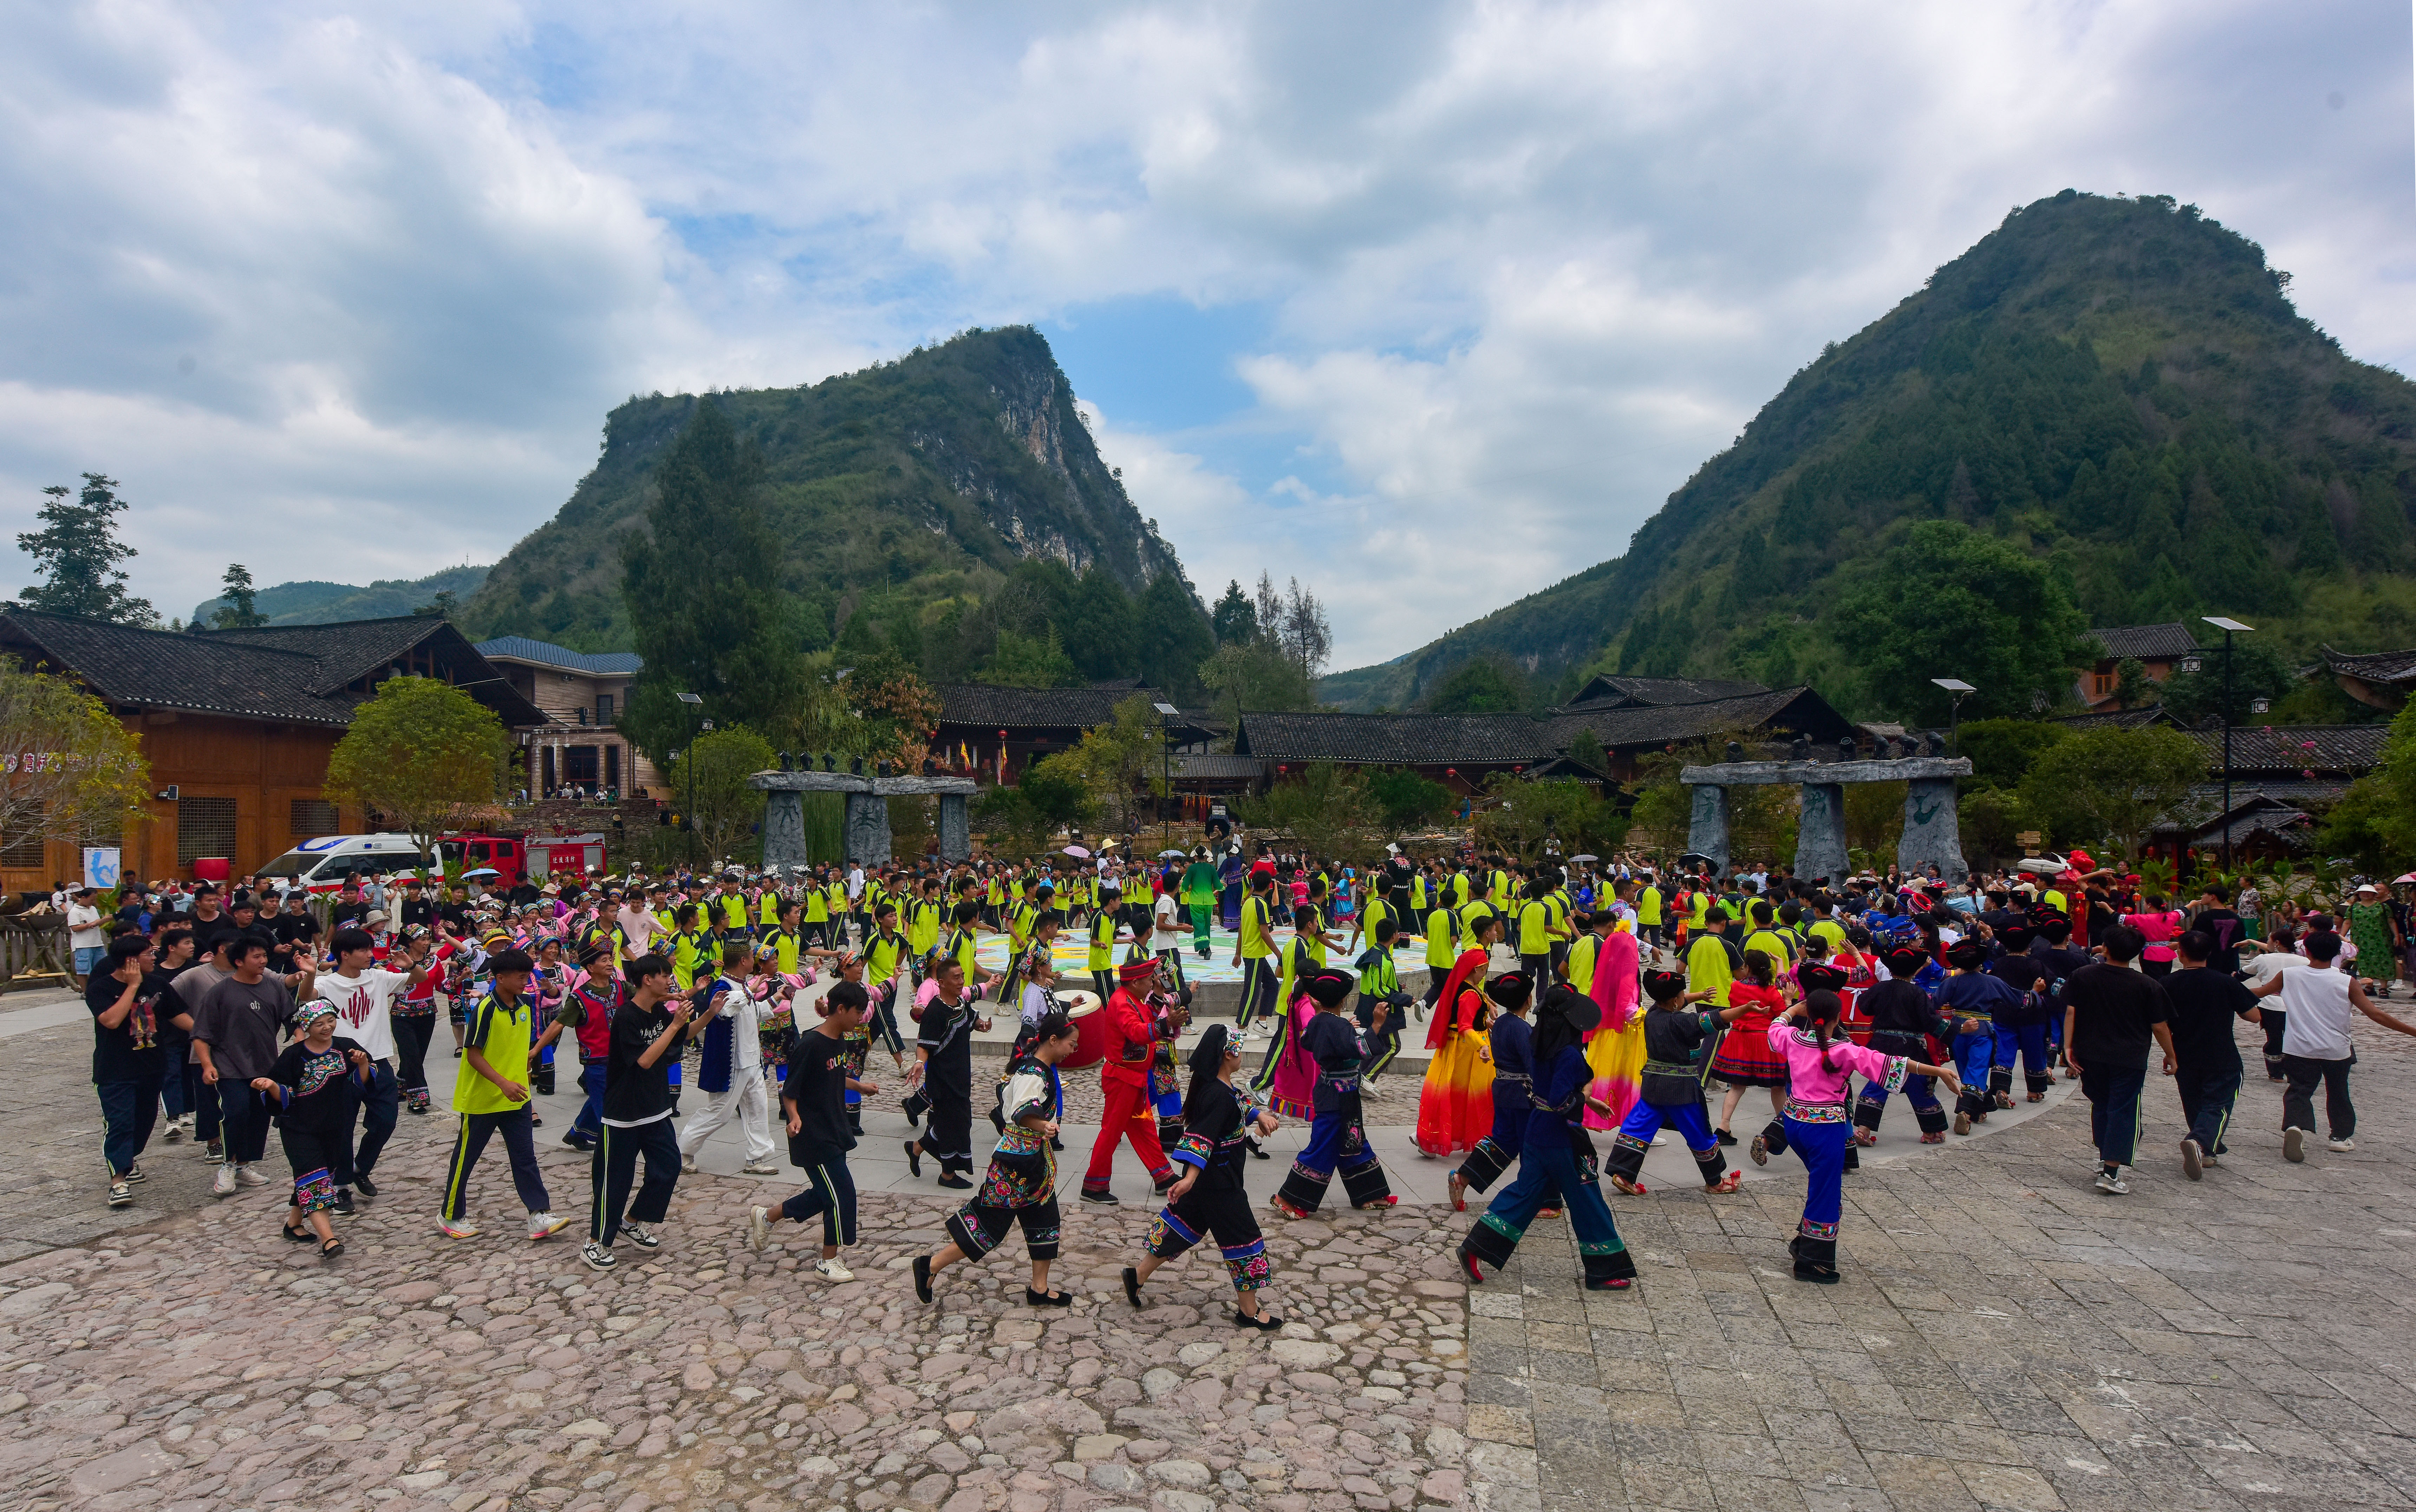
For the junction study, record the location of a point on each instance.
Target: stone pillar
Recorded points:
(956, 829)
(784, 828)
(1931, 837)
(867, 829)
(1820, 834)
(1707, 832)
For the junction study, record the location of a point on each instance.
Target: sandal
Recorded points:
(330, 1249)
(1388, 1200)
(1132, 1285)
(1543, 1213)
(1614, 1283)
(1051, 1298)
(1285, 1208)
(1728, 1183)
(2038, 1096)
(1935, 1136)
(1458, 1193)
(1632, 1189)
(300, 1236)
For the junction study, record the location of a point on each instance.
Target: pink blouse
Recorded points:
(1817, 1094)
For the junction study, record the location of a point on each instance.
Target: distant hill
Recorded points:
(924, 478)
(2119, 386)
(329, 603)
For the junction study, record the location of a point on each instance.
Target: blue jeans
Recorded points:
(126, 1110)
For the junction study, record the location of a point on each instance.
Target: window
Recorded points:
(2101, 683)
(604, 710)
(478, 851)
(579, 764)
(311, 816)
(23, 851)
(204, 829)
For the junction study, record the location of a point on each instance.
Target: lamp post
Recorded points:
(1165, 713)
(2227, 626)
(1961, 690)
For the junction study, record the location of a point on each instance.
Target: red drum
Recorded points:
(1084, 1008)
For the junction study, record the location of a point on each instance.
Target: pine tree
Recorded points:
(241, 612)
(77, 552)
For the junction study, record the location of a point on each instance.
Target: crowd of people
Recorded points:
(1564, 999)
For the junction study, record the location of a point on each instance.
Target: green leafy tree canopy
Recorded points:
(1483, 685)
(2112, 784)
(242, 611)
(423, 756)
(73, 771)
(77, 552)
(708, 781)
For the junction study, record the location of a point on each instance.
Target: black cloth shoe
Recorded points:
(955, 1183)
(1103, 1197)
(1132, 1285)
(1049, 1299)
(362, 1184)
(1265, 1322)
(344, 1203)
(1724, 1137)
(914, 1156)
(923, 1276)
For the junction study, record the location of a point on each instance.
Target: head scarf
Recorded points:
(1209, 1054)
(1613, 988)
(1448, 1006)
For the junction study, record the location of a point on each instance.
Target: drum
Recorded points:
(1084, 1008)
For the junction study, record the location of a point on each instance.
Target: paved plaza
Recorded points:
(2004, 1338)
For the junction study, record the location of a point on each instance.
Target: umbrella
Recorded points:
(1077, 851)
(482, 871)
(2396, 881)
(1576, 859)
(1177, 854)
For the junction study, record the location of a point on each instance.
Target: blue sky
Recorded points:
(1427, 305)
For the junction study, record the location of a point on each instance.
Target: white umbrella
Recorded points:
(1576, 859)
(1077, 851)
(1163, 854)
(482, 871)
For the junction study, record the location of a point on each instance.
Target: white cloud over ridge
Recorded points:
(360, 286)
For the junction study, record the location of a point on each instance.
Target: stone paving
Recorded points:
(2005, 1338)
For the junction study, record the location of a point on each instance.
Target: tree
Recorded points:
(2375, 818)
(2001, 750)
(1585, 749)
(1028, 661)
(1327, 808)
(1525, 812)
(77, 552)
(1117, 763)
(424, 756)
(1306, 635)
(441, 607)
(1406, 799)
(1236, 618)
(2257, 671)
(1174, 637)
(1099, 627)
(241, 613)
(1951, 602)
(1048, 799)
(1483, 685)
(1990, 819)
(70, 770)
(1256, 674)
(708, 784)
(2113, 784)
(703, 608)
(896, 713)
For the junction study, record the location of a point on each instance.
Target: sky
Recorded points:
(1427, 305)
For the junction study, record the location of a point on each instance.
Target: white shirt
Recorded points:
(84, 927)
(361, 1005)
(2315, 998)
(1164, 908)
(2267, 965)
(745, 1017)
(638, 926)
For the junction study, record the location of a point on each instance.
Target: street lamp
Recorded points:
(1961, 690)
(2227, 626)
(695, 707)
(1165, 714)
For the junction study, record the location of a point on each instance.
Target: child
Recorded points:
(1745, 1058)
(1022, 1187)
(492, 1097)
(1672, 1091)
(307, 1087)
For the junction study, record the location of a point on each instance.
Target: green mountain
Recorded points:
(327, 603)
(910, 492)
(2118, 386)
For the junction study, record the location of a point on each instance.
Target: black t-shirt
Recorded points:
(175, 1042)
(418, 912)
(352, 913)
(287, 931)
(635, 1093)
(2225, 925)
(456, 914)
(2114, 1012)
(817, 1086)
(2203, 1001)
(130, 1052)
(208, 932)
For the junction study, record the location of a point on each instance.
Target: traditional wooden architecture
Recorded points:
(2160, 649)
(237, 725)
(994, 733)
(579, 749)
(2382, 678)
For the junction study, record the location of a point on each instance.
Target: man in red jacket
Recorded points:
(1132, 1032)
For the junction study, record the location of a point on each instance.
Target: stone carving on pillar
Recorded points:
(784, 830)
(866, 832)
(1931, 836)
(1820, 834)
(1707, 830)
(956, 828)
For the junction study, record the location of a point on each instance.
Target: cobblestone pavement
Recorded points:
(2005, 1338)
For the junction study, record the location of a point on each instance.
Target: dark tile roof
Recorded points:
(2149, 643)
(1396, 739)
(2119, 718)
(296, 673)
(1611, 690)
(594, 663)
(1211, 769)
(1787, 710)
(2373, 666)
(984, 707)
(2286, 751)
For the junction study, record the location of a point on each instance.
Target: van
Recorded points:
(319, 865)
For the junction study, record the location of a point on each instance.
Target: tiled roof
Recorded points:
(984, 707)
(2119, 718)
(1611, 690)
(1790, 710)
(2294, 792)
(296, 673)
(2284, 749)
(1209, 768)
(545, 653)
(2373, 666)
(1396, 739)
(2149, 643)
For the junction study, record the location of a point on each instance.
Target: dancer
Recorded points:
(1022, 1187)
(1616, 1048)
(1339, 1137)
(311, 1086)
(1977, 999)
(636, 1113)
(1134, 1029)
(2110, 1014)
(1903, 1022)
(2021, 1022)
(1217, 1121)
(1556, 1159)
(490, 1093)
(1456, 1104)
(815, 1115)
(1671, 1089)
(1511, 1039)
(1818, 1130)
(2206, 1057)
(942, 1074)
(1254, 942)
(1380, 983)
(2315, 1047)
(730, 1072)
(1745, 1058)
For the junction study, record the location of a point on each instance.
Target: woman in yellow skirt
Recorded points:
(1456, 1104)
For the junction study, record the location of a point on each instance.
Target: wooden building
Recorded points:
(2160, 650)
(238, 725)
(994, 734)
(582, 695)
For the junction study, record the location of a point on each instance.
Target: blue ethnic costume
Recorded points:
(1215, 1143)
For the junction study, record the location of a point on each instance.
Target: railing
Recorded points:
(33, 951)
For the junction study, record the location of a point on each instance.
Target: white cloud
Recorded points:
(1526, 265)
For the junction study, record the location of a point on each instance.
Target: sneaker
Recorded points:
(2112, 1183)
(133, 1174)
(223, 1183)
(1103, 1198)
(460, 1227)
(545, 1225)
(759, 1167)
(2294, 1145)
(640, 1235)
(249, 1175)
(831, 1270)
(687, 1165)
(597, 1257)
(120, 1194)
(344, 1202)
(174, 1133)
(2192, 1160)
(362, 1184)
(214, 1150)
(578, 1140)
(1367, 1085)
(759, 1228)
(2342, 1145)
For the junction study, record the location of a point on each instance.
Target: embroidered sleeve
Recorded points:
(1898, 1068)
(1193, 1150)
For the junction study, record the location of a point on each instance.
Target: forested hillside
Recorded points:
(2118, 388)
